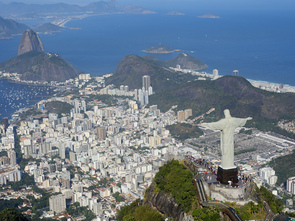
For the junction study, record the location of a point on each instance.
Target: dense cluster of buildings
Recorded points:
(122, 146)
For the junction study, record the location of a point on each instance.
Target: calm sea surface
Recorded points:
(15, 96)
(260, 44)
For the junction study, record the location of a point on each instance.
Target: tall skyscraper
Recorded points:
(146, 81)
(5, 123)
(101, 133)
(146, 97)
(12, 156)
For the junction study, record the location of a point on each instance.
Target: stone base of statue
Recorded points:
(225, 175)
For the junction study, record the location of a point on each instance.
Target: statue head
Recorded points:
(226, 113)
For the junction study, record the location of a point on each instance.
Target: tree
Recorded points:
(206, 214)
(12, 215)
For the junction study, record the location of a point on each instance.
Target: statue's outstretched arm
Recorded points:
(219, 125)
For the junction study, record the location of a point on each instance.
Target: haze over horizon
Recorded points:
(213, 5)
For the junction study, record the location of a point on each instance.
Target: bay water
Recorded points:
(260, 44)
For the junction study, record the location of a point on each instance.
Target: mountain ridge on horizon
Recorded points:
(20, 9)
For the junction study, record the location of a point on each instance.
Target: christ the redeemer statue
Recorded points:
(227, 128)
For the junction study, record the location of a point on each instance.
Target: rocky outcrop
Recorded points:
(165, 204)
(30, 41)
(192, 167)
(186, 61)
(36, 65)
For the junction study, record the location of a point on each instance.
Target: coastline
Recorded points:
(17, 96)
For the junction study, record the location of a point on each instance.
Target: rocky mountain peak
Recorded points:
(30, 41)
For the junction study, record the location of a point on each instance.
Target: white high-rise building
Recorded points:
(140, 97)
(146, 81)
(150, 90)
(268, 175)
(215, 73)
(146, 97)
(291, 185)
(57, 203)
(12, 156)
(135, 94)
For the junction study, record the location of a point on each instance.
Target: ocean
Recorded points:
(260, 44)
(16, 96)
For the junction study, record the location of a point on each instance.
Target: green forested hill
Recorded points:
(233, 93)
(40, 66)
(132, 67)
(284, 167)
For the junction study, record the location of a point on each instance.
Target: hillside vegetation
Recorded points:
(184, 131)
(39, 66)
(284, 167)
(58, 107)
(233, 93)
(175, 179)
(132, 67)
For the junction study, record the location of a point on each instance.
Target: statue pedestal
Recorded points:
(225, 175)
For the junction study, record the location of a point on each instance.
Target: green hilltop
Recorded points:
(40, 66)
(132, 67)
(159, 49)
(234, 93)
(48, 28)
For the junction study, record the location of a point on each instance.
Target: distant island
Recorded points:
(175, 13)
(160, 49)
(208, 16)
(48, 28)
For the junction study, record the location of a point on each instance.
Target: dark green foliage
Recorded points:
(26, 180)
(276, 205)
(248, 132)
(11, 215)
(284, 167)
(145, 213)
(137, 212)
(184, 131)
(58, 107)
(75, 210)
(41, 203)
(128, 211)
(105, 98)
(13, 203)
(118, 198)
(245, 151)
(40, 66)
(3, 153)
(31, 111)
(206, 214)
(233, 93)
(186, 61)
(175, 179)
(159, 49)
(248, 210)
(132, 67)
